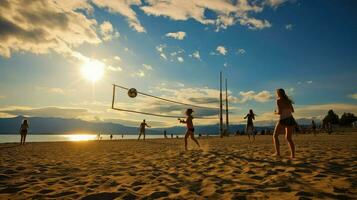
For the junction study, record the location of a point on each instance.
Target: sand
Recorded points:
(228, 168)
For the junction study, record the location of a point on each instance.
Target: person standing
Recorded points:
(286, 123)
(142, 128)
(165, 134)
(249, 129)
(313, 127)
(190, 129)
(23, 131)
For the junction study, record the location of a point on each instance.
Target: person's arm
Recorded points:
(182, 121)
(278, 104)
(246, 117)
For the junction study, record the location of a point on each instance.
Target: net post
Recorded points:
(113, 96)
(227, 120)
(220, 106)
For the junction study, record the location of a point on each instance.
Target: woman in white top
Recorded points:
(286, 123)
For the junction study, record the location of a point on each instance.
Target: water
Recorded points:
(71, 137)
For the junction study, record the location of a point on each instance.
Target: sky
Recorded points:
(60, 58)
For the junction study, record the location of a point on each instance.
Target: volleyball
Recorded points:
(132, 92)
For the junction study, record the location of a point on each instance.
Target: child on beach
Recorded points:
(142, 128)
(23, 131)
(286, 121)
(249, 129)
(190, 129)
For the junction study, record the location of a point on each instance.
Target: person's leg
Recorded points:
(144, 135)
(22, 137)
(194, 139)
(247, 132)
(186, 136)
(253, 132)
(277, 131)
(288, 135)
(139, 135)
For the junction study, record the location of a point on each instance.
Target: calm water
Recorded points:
(70, 137)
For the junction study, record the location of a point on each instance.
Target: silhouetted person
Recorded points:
(23, 131)
(190, 129)
(165, 134)
(142, 128)
(286, 123)
(249, 129)
(122, 136)
(111, 137)
(313, 127)
(172, 135)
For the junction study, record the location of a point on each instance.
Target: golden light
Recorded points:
(81, 137)
(92, 70)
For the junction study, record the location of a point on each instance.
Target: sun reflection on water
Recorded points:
(80, 137)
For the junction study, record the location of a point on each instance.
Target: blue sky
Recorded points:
(176, 49)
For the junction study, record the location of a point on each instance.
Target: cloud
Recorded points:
(289, 27)
(274, 3)
(53, 90)
(123, 8)
(241, 51)
(160, 49)
(107, 31)
(221, 50)
(227, 13)
(148, 67)
(180, 59)
(309, 82)
(2, 97)
(44, 26)
(262, 96)
(353, 96)
(195, 54)
(114, 69)
(140, 73)
(180, 35)
(117, 58)
(62, 112)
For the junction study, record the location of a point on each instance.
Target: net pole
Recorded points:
(227, 120)
(220, 105)
(113, 100)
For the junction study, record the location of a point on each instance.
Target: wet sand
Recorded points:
(228, 168)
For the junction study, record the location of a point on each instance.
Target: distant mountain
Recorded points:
(41, 125)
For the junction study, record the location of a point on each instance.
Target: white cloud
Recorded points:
(289, 27)
(180, 35)
(160, 49)
(53, 90)
(107, 31)
(62, 112)
(139, 74)
(241, 51)
(180, 59)
(124, 8)
(227, 13)
(196, 54)
(225, 64)
(262, 96)
(148, 67)
(221, 50)
(117, 58)
(275, 3)
(45, 26)
(114, 69)
(309, 82)
(353, 96)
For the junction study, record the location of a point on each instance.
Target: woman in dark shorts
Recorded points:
(23, 131)
(249, 129)
(286, 123)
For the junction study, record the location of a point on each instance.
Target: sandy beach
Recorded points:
(228, 168)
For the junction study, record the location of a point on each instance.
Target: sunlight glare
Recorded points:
(92, 70)
(81, 137)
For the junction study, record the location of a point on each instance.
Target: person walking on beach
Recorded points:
(142, 129)
(313, 127)
(286, 121)
(111, 136)
(249, 129)
(23, 131)
(190, 129)
(165, 134)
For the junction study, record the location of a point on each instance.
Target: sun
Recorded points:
(92, 70)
